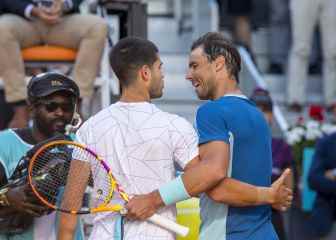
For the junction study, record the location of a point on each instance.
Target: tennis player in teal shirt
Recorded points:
(52, 99)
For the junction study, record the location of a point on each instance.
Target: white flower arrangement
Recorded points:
(309, 131)
(305, 134)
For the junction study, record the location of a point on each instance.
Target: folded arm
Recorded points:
(236, 193)
(208, 173)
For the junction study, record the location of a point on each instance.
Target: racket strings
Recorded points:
(70, 178)
(49, 173)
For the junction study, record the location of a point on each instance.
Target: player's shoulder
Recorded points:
(104, 116)
(164, 115)
(209, 109)
(9, 141)
(174, 118)
(94, 123)
(6, 132)
(209, 105)
(8, 135)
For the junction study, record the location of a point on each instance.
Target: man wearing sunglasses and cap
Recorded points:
(52, 99)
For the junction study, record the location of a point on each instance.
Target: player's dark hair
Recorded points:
(129, 55)
(214, 45)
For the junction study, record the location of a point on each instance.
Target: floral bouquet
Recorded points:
(305, 133)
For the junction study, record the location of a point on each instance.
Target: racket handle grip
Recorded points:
(169, 225)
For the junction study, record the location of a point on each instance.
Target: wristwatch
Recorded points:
(3, 197)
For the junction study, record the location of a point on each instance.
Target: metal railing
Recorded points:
(251, 78)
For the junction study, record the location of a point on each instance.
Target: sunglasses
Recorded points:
(52, 106)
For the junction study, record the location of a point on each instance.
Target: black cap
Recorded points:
(45, 84)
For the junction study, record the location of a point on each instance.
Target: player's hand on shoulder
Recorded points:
(282, 193)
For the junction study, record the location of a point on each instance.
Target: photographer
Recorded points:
(52, 100)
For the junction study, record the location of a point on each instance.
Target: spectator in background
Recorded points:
(279, 35)
(35, 22)
(279, 40)
(281, 153)
(52, 100)
(240, 11)
(322, 179)
(304, 16)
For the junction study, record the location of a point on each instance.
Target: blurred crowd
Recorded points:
(27, 23)
(300, 32)
(317, 221)
(300, 43)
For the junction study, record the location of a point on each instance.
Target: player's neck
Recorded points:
(134, 94)
(227, 89)
(232, 92)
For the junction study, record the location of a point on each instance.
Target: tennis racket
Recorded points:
(69, 177)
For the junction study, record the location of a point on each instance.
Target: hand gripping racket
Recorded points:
(69, 177)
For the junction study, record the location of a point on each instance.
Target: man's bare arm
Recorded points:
(67, 226)
(240, 194)
(211, 169)
(199, 178)
(209, 173)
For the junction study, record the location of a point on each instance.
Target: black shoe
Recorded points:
(314, 69)
(275, 68)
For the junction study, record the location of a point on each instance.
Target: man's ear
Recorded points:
(145, 73)
(219, 63)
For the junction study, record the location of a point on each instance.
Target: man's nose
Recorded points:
(188, 76)
(59, 111)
